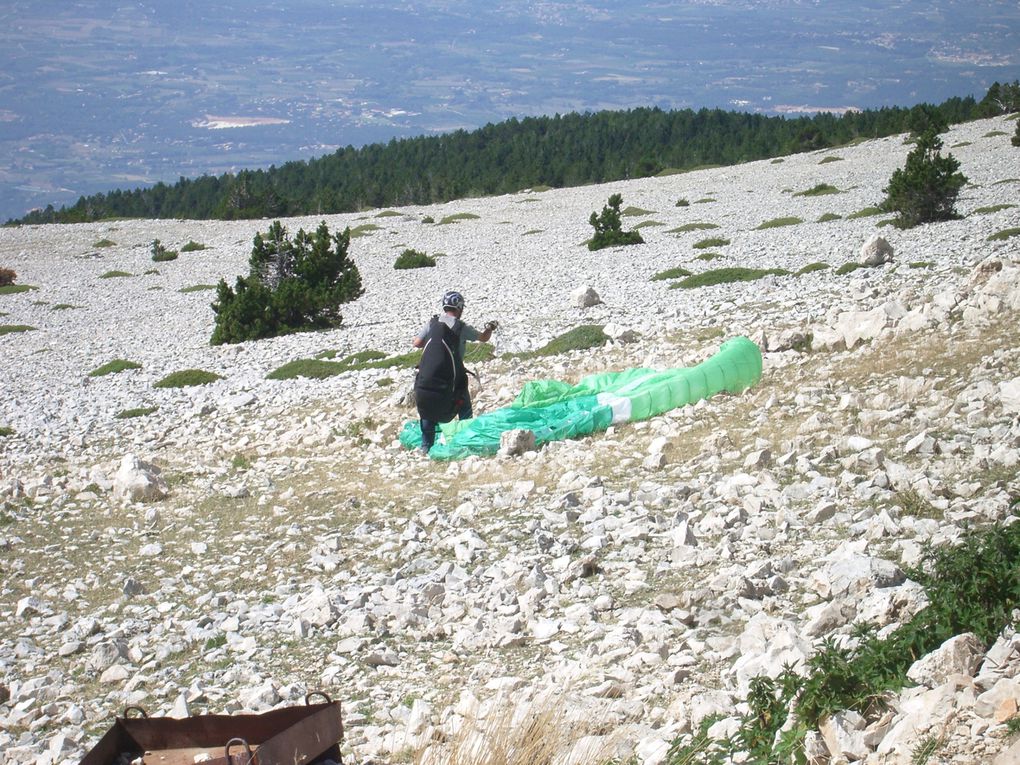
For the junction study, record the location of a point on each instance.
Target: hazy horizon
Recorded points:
(100, 95)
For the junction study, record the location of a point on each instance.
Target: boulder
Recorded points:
(138, 481)
(960, 655)
(514, 443)
(585, 297)
(875, 252)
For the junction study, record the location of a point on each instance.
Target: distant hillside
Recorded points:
(560, 151)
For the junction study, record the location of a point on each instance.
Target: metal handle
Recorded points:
(324, 695)
(242, 742)
(141, 712)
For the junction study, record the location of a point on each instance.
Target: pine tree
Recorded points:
(608, 230)
(925, 188)
(1015, 140)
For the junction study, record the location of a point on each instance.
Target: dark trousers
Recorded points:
(428, 427)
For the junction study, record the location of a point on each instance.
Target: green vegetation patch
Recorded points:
(960, 145)
(114, 275)
(197, 288)
(161, 254)
(810, 268)
(635, 211)
(705, 244)
(6, 431)
(848, 268)
(104, 243)
(779, 223)
(647, 223)
(727, 276)
(414, 259)
(193, 246)
(388, 214)
(692, 227)
(187, 378)
(826, 217)
(704, 201)
(828, 160)
(709, 256)
(921, 264)
(819, 190)
(995, 134)
(10, 329)
(1006, 233)
(992, 209)
(533, 231)
(363, 230)
(355, 358)
(130, 414)
(112, 367)
(14, 289)
(865, 212)
(63, 307)
(671, 273)
(458, 217)
(579, 338)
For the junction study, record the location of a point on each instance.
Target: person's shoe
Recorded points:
(424, 451)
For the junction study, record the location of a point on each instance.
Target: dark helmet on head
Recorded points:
(454, 300)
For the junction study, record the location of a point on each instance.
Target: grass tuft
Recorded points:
(413, 259)
(130, 414)
(114, 275)
(193, 246)
(692, 227)
(826, 217)
(10, 329)
(579, 338)
(1005, 234)
(848, 268)
(670, 273)
(187, 378)
(727, 276)
(810, 268)
(197, 288)
(363, 230)
(706, 244)
(14, 289)
(830, 159)
(635, 211)
(458, 217)
(866, 212)
(818, 190)
(709, 256)
(113, 367)
(104, 243)
(779, 223)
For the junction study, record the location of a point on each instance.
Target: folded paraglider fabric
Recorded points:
(555, 410)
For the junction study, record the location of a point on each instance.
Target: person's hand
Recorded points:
(491, 326)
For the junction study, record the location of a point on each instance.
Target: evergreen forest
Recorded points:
(559, 151)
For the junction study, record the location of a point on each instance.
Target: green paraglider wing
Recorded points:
(555, 410)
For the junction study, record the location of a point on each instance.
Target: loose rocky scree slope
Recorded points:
(635, 580)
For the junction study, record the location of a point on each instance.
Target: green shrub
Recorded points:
(161, 254)
(533, 231)
(458, 217)
(810, 268)
(692, 227)
(151, 272)
(960, 145)
(826, 217)
(635, 211)
(187, 378)
(608, 231)
(6, 431)
(995, 133)
(128, 414)
(819, 190)
(682, 203)
(847, 268)
(1006, 233)
(14, 289)
(709, 256)
(579, 338)
(414, 259)
(777, 161)
(363, 230)
(827, 160)
(197, 288)
(104, 243)
(924, 190)
(293, 285)
(63, 307)
(10, 329)
(355, 358)
(705, 244)
(865, 212)
(193, 246)
(114, 275)
(112, 367)
(992, 208)
(387, 214)
(779, 223)
(670, 274)
(428, 219)
(319, 368)
(727, 276)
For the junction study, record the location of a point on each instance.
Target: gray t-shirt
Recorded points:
(467, 332)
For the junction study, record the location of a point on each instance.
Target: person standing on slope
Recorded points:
(441, 385)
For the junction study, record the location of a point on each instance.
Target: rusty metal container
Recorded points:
(308, 735)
